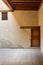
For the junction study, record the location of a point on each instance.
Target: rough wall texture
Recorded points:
(41, 24)
(10, 29)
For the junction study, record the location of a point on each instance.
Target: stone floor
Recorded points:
(30, 56)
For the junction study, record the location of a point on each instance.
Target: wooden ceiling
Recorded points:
(23, 4)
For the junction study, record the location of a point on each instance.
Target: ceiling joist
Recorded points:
(9, 6)
(23, 4)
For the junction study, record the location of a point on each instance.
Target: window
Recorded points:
(4, 16)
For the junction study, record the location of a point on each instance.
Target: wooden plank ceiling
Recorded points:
(24, 4)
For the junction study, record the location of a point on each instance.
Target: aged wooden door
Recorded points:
(35, 37)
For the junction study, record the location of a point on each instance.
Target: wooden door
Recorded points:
(35, 37)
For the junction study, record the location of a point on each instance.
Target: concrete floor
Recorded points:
(21, 57)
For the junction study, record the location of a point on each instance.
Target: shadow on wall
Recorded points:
(26, 18)
(8, 44)
(5, 43)
(11, 36)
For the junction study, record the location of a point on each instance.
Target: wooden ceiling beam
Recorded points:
(29, 3)
(24, 4)
(26, 7)
(25, 0)
(27, 27)
(9, 6)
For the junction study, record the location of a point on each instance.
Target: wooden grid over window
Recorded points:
(4, 16)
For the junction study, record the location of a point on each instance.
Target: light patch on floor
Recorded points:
(21, 57)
